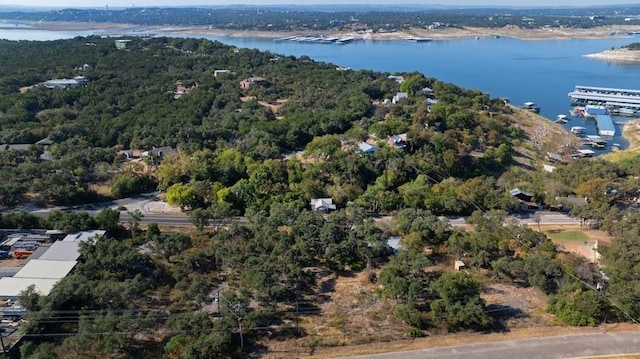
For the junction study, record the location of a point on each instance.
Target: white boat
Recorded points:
(596, 139)
(531, 106)
(577, 130)
(585, 153)
(623, 111)
(561, 119)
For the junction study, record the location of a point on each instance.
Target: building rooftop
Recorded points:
(43, 269)
(11, 287)
(62, 251)
(83, 236)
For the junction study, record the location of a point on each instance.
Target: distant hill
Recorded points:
(322, 17)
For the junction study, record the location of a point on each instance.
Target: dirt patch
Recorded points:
(11, 262)
(162, 208)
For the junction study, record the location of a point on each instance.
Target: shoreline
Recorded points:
(433, 34)
(631, 133)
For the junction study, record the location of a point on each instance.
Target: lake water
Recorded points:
(541, 71)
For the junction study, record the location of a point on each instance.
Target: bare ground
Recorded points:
(541, 136)
(355, 320)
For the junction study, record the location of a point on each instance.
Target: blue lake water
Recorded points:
(541, 71)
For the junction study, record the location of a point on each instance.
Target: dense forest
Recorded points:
(301, 18)
(262, 149)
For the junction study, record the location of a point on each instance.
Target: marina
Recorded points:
(624, 102)
(317, 39)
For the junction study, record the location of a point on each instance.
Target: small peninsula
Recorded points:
(628, 53)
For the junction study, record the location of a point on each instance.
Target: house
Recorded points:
(521, 195)
(367, 148)
(525, 199)
(45, 142)
(121, 44)
(322, 204)
(399, 96)
(84, 67)
(157, 154)
(553, 157)
(548, 168)
(65, 83)
(217, 73)
(398, 79)
(458, 265)
(427, 91)
(398, 141)
(46, 156)
(15, 147)
(250, 81)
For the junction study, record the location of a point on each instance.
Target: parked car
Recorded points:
(4, 255)
(22, 254)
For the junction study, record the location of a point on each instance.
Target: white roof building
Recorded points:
(399, 96)
(322, 204)
(367, 148)
(43, 269)
(83, 236)
(62, 251)
(10, 288)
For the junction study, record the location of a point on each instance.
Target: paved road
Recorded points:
(142, 202)
(566, 346)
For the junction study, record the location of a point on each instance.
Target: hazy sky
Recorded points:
(129, 3)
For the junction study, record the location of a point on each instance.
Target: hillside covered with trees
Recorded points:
(319, 18)
(261, 140)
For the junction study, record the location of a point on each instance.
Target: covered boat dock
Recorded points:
(605, 125)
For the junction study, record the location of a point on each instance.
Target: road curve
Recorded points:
(564, 346)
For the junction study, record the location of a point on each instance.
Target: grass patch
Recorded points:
(619, 156)
(562, 236)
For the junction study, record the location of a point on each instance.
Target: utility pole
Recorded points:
(217, 299)
(4, 349)
(297, 321)
(241, 337)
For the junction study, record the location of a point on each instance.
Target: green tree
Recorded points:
(460, 305)
(181, 195)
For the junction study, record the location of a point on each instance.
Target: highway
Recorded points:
(563, 346)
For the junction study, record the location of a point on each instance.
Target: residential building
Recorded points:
(65, 83)
(250, 81)
(367, 148)
(322, 204)
(399, 96)
(398, 141)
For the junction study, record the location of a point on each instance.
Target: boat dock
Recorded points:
(612, 99)
(317, 39)
(531, 106)
(577, 130)
(605, 125)
(418, 39)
